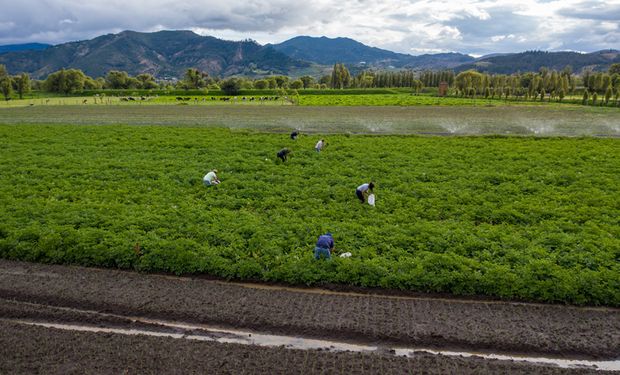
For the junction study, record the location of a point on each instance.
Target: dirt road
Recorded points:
(128, 305)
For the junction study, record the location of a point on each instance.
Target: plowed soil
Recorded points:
(500, 327)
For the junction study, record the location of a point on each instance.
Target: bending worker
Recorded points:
(364, 190)
(211, 178)
(283, 154)
(324, 246)
(319, 145)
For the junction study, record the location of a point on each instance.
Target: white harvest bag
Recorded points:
(371, 199)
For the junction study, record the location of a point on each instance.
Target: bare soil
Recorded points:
(469, 325)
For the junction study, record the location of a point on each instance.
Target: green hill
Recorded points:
(163, 54)
(328, 51)
(532, 61)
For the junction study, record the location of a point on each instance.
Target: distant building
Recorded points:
(443, 88)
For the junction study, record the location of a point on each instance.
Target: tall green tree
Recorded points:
(614, 68)
(195, 79)
(92, 84)
(22, 84)
(469, 79)
(586, 96)
(6, 83)
(261, 84)
(231, 86)
(147, 81)
(75, 80)
(608, 94)
(65, 81)
(281, 81)
(116, 79)
(340, 77)
(308, 81)
(296, 84)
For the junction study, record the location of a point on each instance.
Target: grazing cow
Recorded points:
(132, 98)
(124, 100)
(179, 98)
(84, 101)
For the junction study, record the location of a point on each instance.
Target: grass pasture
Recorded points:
(321, 98)
(524, 218)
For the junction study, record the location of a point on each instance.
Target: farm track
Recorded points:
(62, 294)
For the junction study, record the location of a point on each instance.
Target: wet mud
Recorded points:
(40, 350)
(42, 292)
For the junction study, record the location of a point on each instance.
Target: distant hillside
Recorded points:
(24, 47)
(328, 51)
(532, 61)
(168, 54)
(163, 54)
(438, 61)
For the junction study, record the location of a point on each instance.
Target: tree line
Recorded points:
(596, 87)
(545, 84)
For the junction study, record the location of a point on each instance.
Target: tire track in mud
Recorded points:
(69, 319)
(459, 325)
(39, 350)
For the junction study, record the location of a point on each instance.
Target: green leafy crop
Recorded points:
(523, 218)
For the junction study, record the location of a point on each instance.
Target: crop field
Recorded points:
(525, 218)
(438, 120)
(415, 100)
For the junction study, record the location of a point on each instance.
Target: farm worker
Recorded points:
(283, 154)
(319, 145)
(211, 178)
(364, 190)
(324, 246)
(294, 134)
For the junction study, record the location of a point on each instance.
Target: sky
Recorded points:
(406, 26)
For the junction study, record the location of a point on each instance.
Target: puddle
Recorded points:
(563, 363)
(231, 336)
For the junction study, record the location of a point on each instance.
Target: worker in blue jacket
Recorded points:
(324, 246)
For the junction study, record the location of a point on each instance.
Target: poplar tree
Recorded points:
(6, 84)
(344, 77)
(22, 84)
(584, 99)
(608, 93)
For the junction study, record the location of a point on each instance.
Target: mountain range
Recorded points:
(168, 54)
(328, 51)
(24, 47)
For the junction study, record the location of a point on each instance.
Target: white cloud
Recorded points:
(7, 25)
(410, 26)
